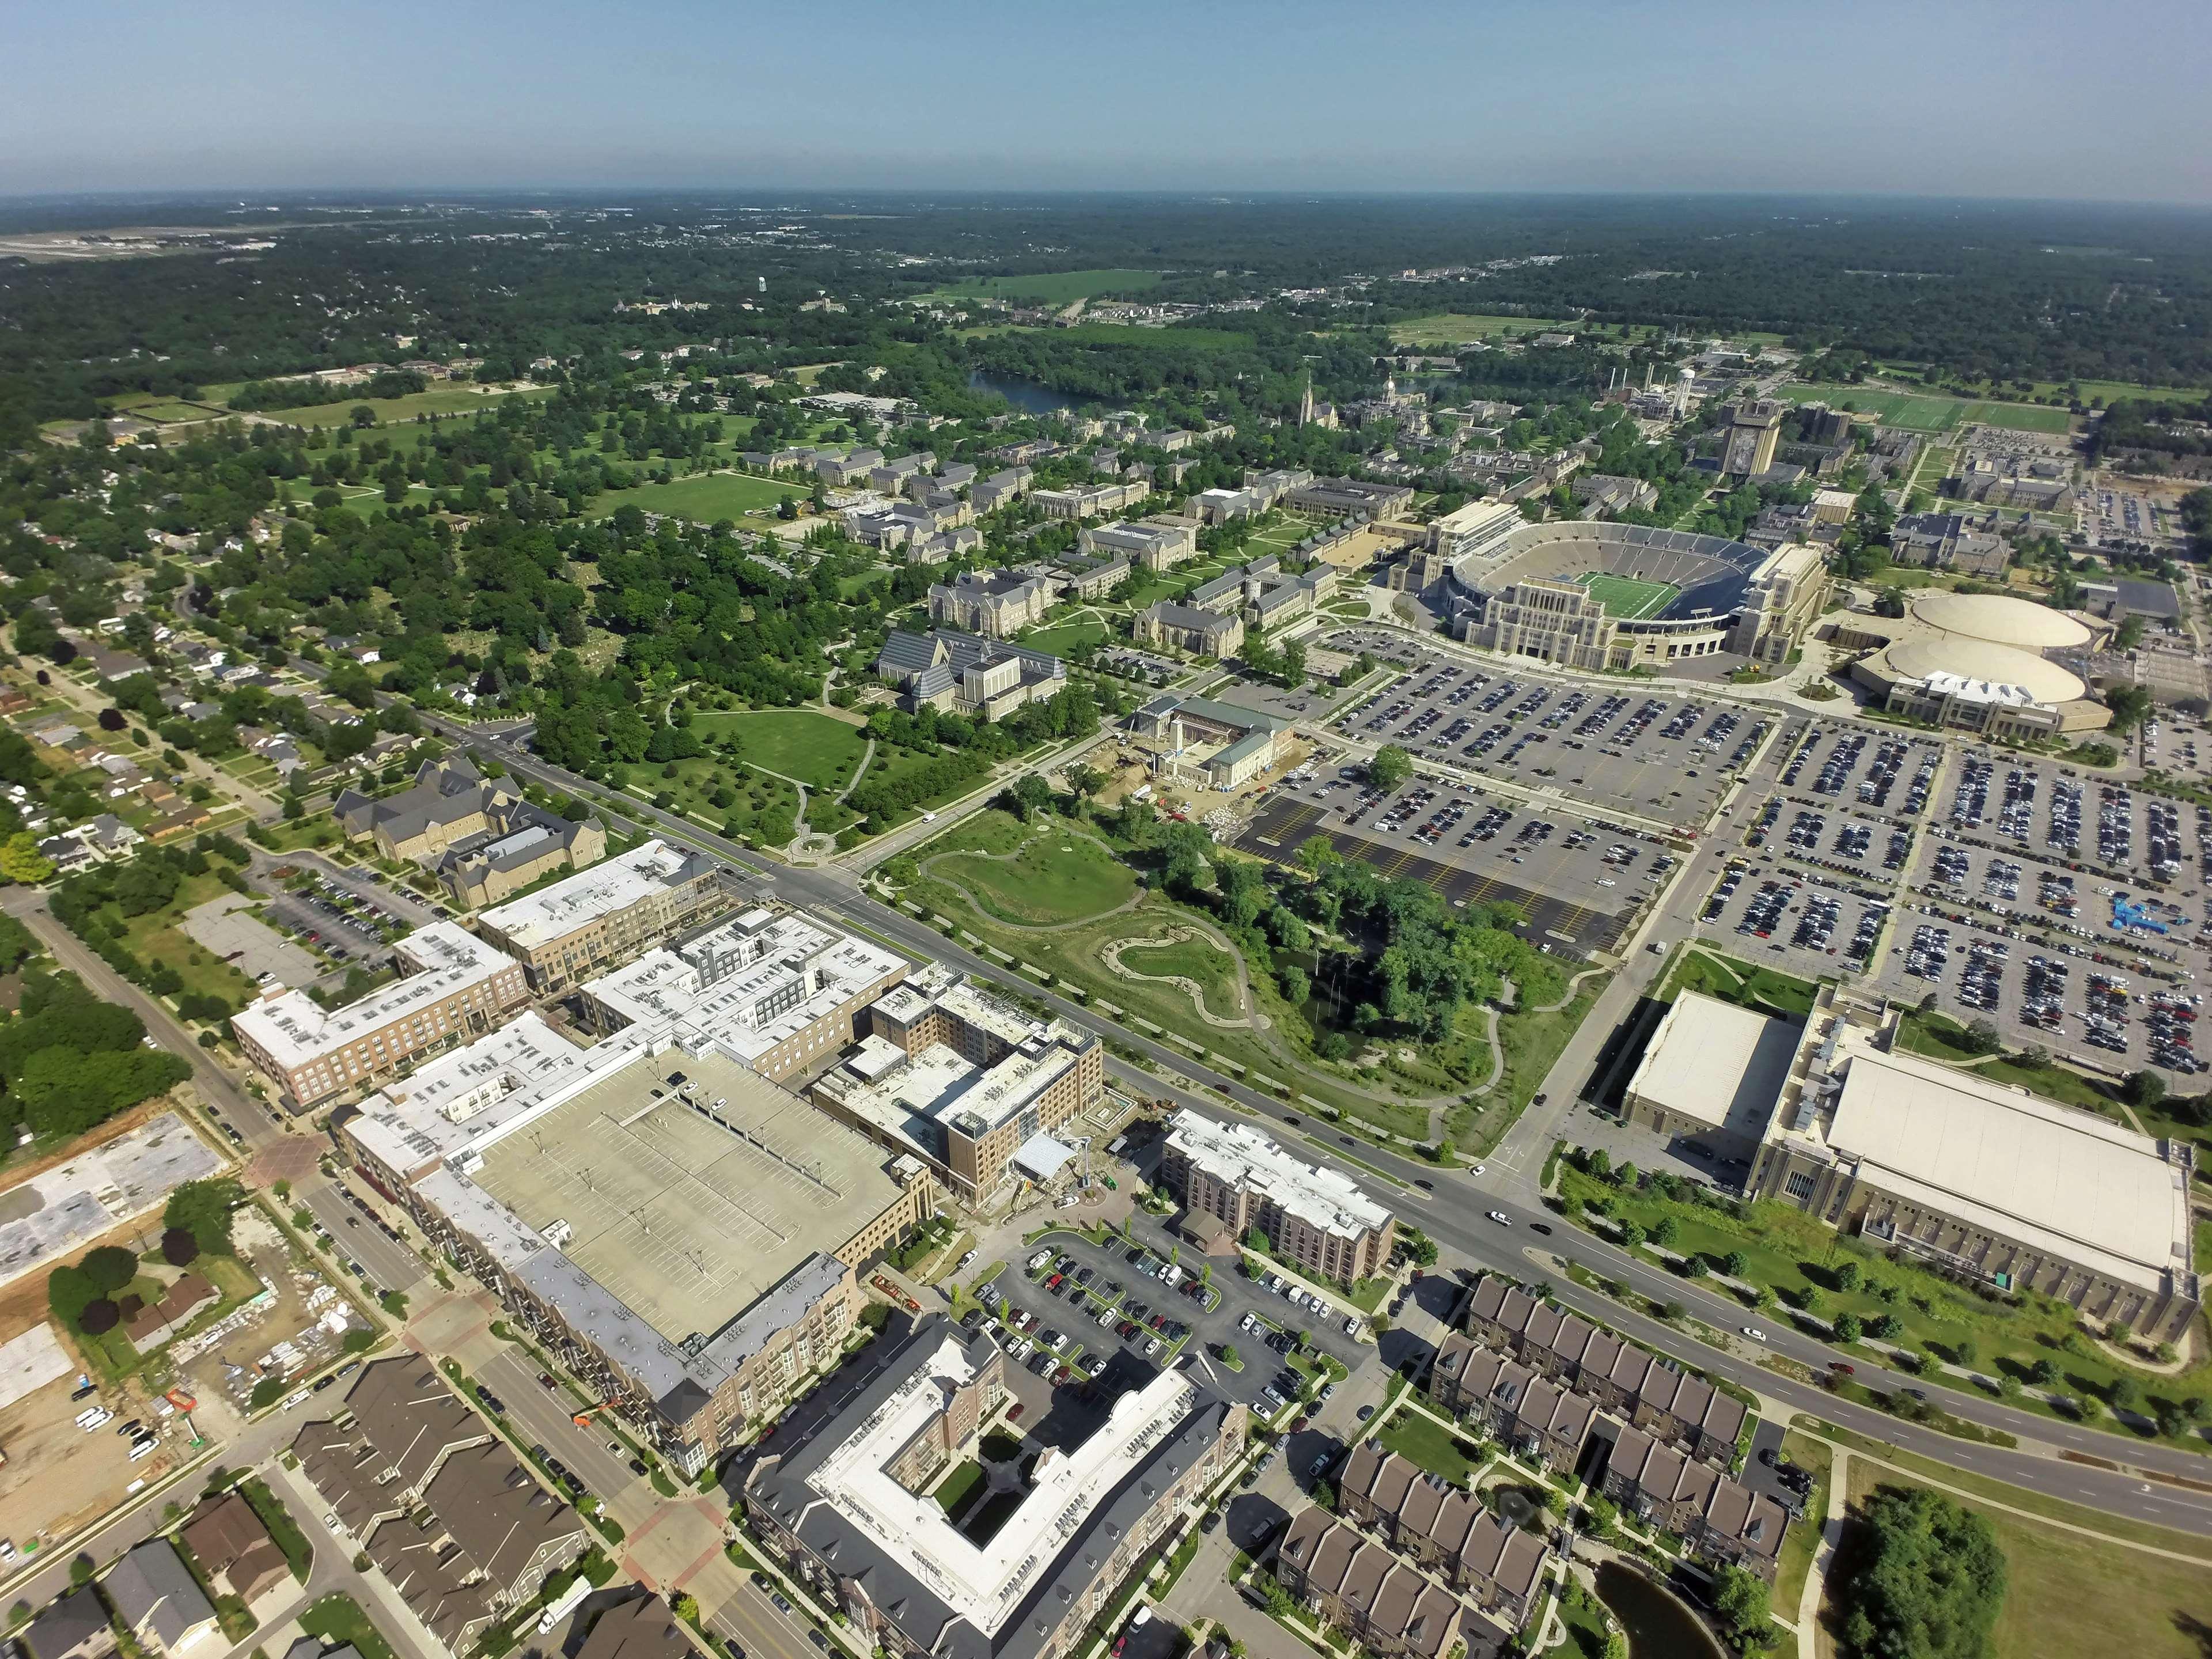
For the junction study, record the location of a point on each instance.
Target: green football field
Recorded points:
(1629, 598)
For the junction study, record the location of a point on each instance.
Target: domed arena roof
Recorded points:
(1984, 660)
(2000, 620)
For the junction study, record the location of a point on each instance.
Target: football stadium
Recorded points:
(1597, 595)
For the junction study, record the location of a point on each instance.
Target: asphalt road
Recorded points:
(1454, 1216)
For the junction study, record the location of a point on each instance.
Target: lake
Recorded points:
(1025, 395)
(1658, 1626)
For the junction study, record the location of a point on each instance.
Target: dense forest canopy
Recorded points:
(2036, 291)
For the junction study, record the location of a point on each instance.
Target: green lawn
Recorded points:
(1741, 983)
(1930, 412)
(158, 936)
(1793, 1254)
(1204, 963)
(2060, 1599)
(820, 750)
(439, 400)
(1071, 954)
(958, 1485)
(1056, 287)
(1056, 876)
(1419, 1438)
(1802, 1539)
(708, 497)
(337, 1619)
(1066, 637)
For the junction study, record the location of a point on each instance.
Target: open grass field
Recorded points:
(2060, 1599)
(438, 400)
(1053, 878)
(1053, 288)
(1747, 985)
(704, 496)
(1065, 637)
(145, 408)
(1420, 1439)
(1930, 412)
(1202, 962)
(1451, 327)
(1631, 599)
(820, 750)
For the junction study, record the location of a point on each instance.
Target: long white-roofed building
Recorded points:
(1983, 1180)
(598, 917)
(458, 987)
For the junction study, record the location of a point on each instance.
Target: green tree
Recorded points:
(1390, 767)
(1741, 1600)
(1930, 1581)
(203, 1209)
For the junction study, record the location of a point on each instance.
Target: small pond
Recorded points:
(1027, 395)
(1659, 1626)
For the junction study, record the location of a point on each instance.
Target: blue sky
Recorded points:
(1956, 98)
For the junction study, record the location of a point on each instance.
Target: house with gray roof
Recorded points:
(158, 1600)
(74, 1627)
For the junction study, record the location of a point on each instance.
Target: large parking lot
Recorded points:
(2063, 906)
(1112, 1305)
(1654, 754)
(1577, 878)
(1799, 922)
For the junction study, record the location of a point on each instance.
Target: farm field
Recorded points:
(820, 750)
(1056, 288)
(1630, 597)
(1931, 412)
(704, 496)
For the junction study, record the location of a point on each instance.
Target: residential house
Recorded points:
(228, 1539)
(158, 1600)
(1720, 1519)
(1445, 1528)
(75, 1626)
(1357, 1585)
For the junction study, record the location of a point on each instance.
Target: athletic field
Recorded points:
(1629, 598)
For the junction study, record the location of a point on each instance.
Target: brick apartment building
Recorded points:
(1313, 1219)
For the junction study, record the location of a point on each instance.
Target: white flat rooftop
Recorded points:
(1716, 1062)
(463, 1101)
(606, 887)
(987, 1584)
(2024, 1168)
(294, 1029)
(1239, 1156)
(747, 985)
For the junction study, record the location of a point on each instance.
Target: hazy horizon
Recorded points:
(1975, 101)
